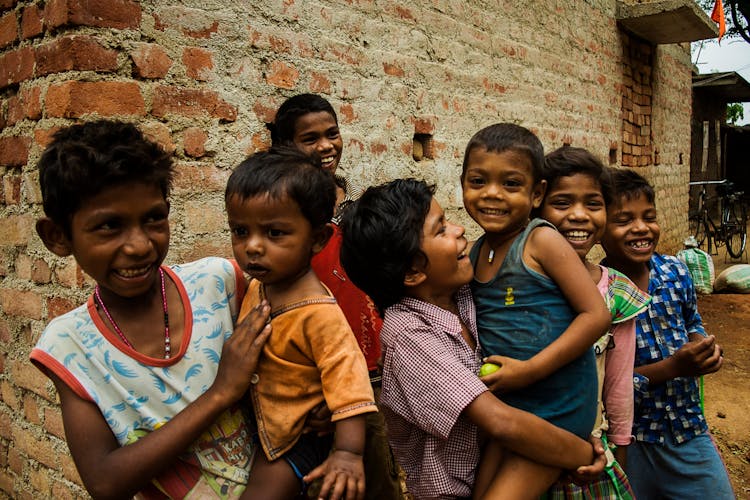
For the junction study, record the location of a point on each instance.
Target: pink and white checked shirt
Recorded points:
(429, 378)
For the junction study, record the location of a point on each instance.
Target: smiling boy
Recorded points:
(673, 455)
(400, 249)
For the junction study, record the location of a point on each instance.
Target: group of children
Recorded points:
(225, 378)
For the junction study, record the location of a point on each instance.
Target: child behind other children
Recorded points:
(536, 319)
(399, 248)
(145, 400)
(673, 455)
(279, 203)
(578, 194)
(309, 123)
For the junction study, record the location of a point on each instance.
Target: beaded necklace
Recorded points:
(167, 342)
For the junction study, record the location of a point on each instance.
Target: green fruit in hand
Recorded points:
(488, 368)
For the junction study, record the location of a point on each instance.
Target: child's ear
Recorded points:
(321, 237)
(53, 236)
(537, 194)
(414, 278)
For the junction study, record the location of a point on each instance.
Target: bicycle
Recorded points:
(732, 228)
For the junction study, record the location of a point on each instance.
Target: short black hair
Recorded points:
(286, 171)
(382, 236)
(502, 137)
(568, 161)
(283, 126)
(85, 159)
(629, 185)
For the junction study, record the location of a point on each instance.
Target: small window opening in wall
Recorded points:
(679, 160)
(422, 147)
(612, 156)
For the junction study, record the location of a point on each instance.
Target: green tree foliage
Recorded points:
(735, 112)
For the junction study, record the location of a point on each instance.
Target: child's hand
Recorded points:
(239, 358)
(700, 356)
(319, 420)
(588, 473)
(512, 375)
(344, 474)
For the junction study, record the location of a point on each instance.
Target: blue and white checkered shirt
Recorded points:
(671, 408)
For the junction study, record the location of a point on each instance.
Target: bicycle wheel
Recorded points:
(698, 228)
(735, 229)
(736, 240)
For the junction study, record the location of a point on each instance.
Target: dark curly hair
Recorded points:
(382, 235)
(85, 159)
(286, 171)
(283, 126)
(502, 137)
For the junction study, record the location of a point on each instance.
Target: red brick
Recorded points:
(319, 83)
(265, 109)
(44, 136)
(31, 409)
(77, 52)
(378, 148)
(76, 99)
(53, 422)
(282, 75)
(151, 61)
(24, 303)
(27, 376)
(195, 142)
(16, 66)
(39, 480)
(392, 69)
(210, 179)
(259, 141)
(31, 22)
(40, 272)
(346, 113)
(198, 63)
(12, 189)
(14, 151)
(8, 392)
(39, 450)
(6, 484)
(15, 111)
(160, 134)
(424, 124)
(170, 100)
(25, 104)
(57, 306)
(4, 334)
(8, 29)
(119, 14)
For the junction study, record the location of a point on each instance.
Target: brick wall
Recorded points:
(411, 82)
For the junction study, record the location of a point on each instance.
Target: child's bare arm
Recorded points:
(97, 453)
(343, 471)
(529, 435)
(700, 356)
(551, 254)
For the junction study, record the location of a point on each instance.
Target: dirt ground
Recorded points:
(727, 392)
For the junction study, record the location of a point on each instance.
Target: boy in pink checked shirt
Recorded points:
(400, 250)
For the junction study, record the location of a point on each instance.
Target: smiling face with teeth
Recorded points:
(632, 231)
(500, 191)
(575, 205)
(448, 266)
(318, 132)
(120, 237)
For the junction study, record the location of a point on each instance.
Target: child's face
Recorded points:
(272, 240)
(319, 133)
(632, 230)
(499, 190)
(445, 246)
(575, 205)
(120, 237)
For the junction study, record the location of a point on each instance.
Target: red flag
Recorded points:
(717, 15)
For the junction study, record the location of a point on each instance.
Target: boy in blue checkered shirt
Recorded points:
(672, 442)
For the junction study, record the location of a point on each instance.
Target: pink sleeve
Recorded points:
(618, 384)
